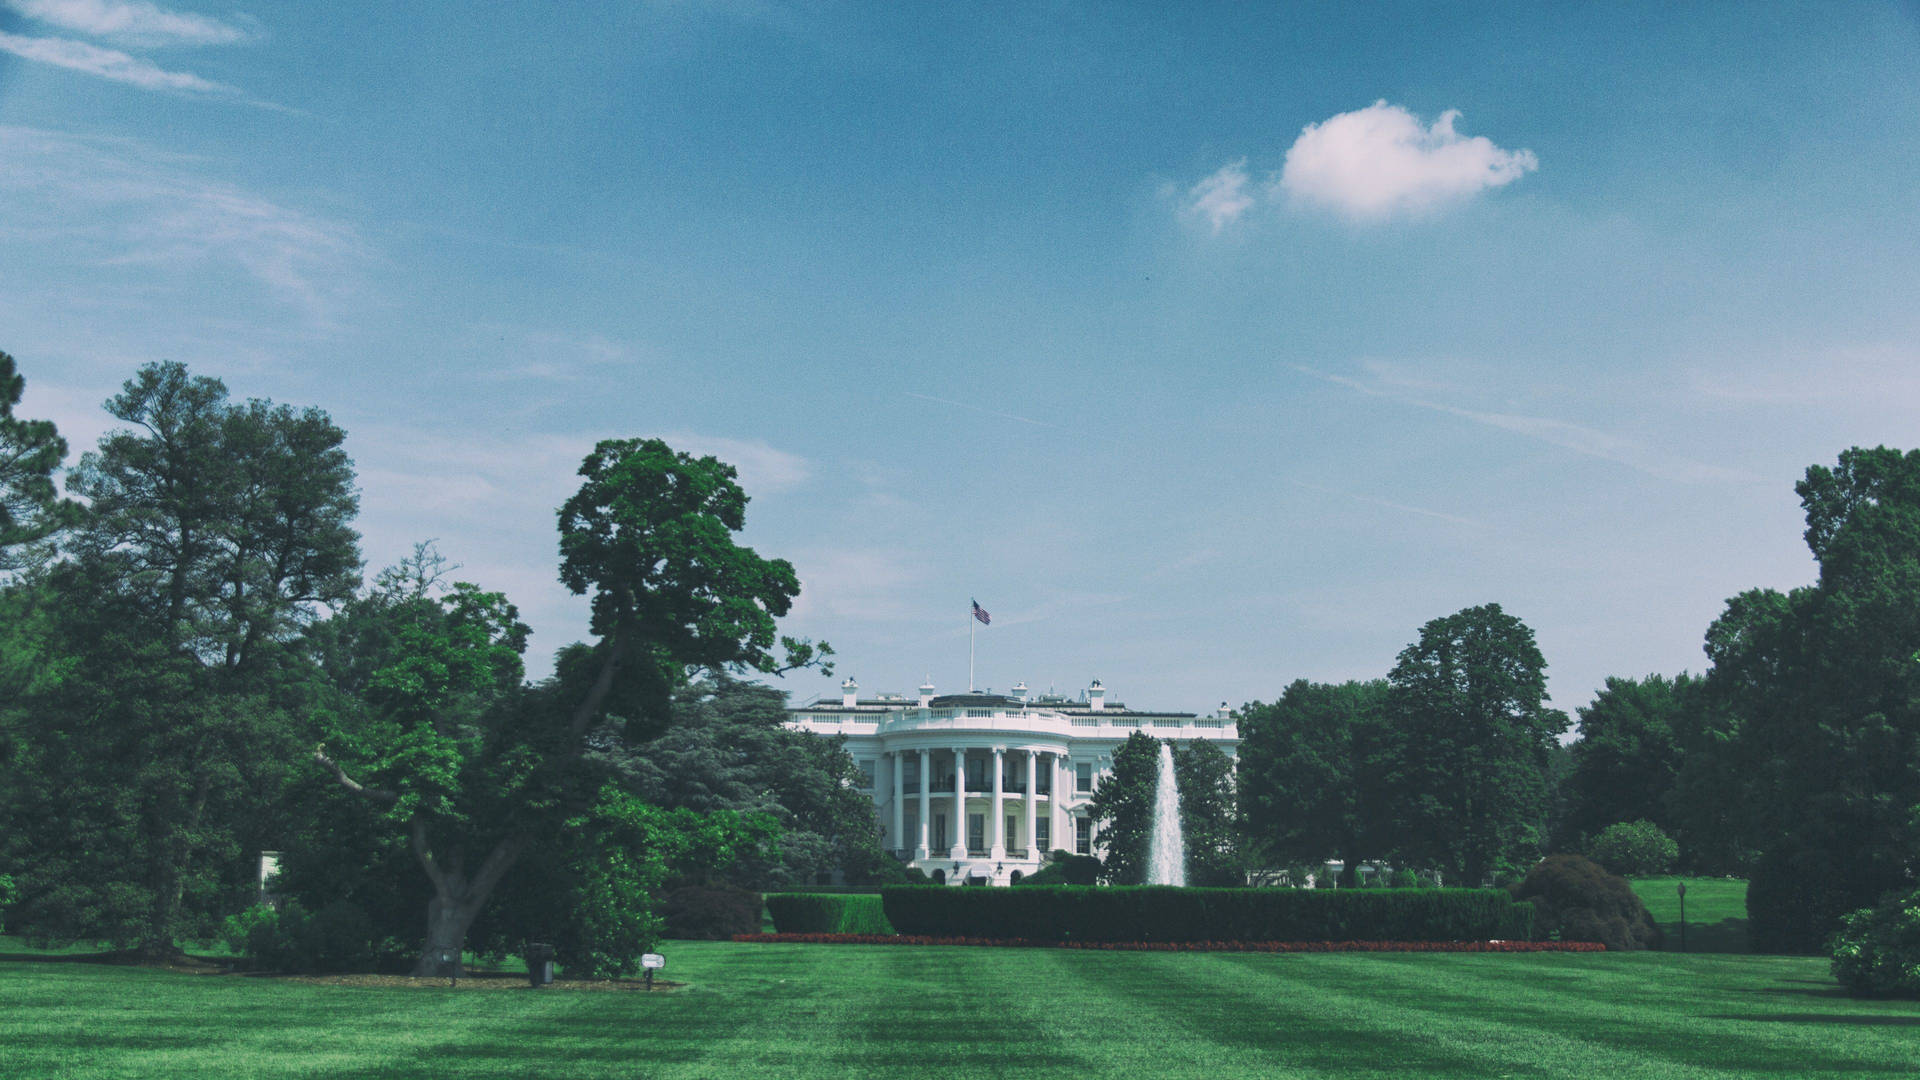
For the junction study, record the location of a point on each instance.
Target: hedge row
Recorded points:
(827, 913)
(1148, 913)
(1189, 946)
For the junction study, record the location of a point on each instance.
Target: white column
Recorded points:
(899, 800)
(1033, 805)
(999, 848)
(1062, 791)
(926, 804)
(959, 850)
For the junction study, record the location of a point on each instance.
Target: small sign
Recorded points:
(652, 961)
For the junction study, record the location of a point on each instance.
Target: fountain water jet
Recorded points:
(1166, 851)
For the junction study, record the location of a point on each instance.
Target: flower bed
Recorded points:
(1189, 946)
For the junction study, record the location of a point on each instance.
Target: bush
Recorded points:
(1065, 868)
(9, 896)
(1634, 849)
(1158, 913)
(1404, 879)
(710, 913)
(1577, 900)
(339, 937)
(1796, 900)
(816, 913)
(1877, 951)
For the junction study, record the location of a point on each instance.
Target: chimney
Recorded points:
(1096, 696)
(926, 693)
(849, 693)
(1020, 692)
(1223, 712)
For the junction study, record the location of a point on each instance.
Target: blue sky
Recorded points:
(1209, 348)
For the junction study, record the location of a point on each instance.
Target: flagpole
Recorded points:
(970, 621)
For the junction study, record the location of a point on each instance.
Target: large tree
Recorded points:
(1312, 775)
(473, 778)
(1122, 809)
(213, 532)
(30, 453)
(1472, 732)
(1209, 823)
(1628, 755)
(1826, 686)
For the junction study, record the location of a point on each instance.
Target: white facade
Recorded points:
(982, 786)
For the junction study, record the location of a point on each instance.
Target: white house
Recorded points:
(982, 786)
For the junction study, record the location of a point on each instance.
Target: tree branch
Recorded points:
(589, 706)
(379, 795)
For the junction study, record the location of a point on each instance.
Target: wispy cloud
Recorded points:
(120, 202)
(1222, 197)
(1578, 438)
(1380, 161)
(135, 22)
(110, 64)
(1387, 504)
(980, 410)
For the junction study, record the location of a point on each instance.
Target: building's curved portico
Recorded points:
(981, 787)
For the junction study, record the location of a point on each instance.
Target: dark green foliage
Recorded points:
(1471, 741)
(1209, 828)
(1163, 913)
(836, 913)
(1404, 879)
(1577, 900)
(1634, 848)
(709, 912)
(1796, 899)
(1877, 951)
(1064, 868)
(1122, 808)
(291, 940)
(30, 451)
(1312, 774)
(1628, 756)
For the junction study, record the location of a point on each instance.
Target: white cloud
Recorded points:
(1222, 197)
(763, 469)
(110, 64)
(1380, 161)
(133, 21)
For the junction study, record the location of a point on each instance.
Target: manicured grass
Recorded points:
(848, 1010)
(1716, 911)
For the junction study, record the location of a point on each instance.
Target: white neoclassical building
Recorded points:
(981, 786)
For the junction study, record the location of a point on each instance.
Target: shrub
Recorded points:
(816, 913)
(1164, 914)
(710, 913)
(1877, 951)
(9, 896)
(1577, 900)
(1635, 849)
(338, 937)
(1065, 869)
(1404, 879)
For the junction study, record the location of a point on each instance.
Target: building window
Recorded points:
(976, 774)
(1083, 776)
(940, 832)
(1082, 836)
(976, 832)
(911, 826)
(866, 774)
(1043, 835)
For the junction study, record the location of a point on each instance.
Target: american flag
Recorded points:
(981, 613)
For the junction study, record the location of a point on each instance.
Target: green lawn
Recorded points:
(773, 1011)
(1716, 911)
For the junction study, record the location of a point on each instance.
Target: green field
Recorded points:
(1716, 912)
(774, 1011)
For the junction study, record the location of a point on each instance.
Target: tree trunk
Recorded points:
(457, 899)
(448, 918)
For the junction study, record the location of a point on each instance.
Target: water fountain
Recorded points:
(1166, 851)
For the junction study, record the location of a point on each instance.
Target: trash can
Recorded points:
(539, 957)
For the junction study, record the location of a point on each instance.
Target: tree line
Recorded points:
(194, 668)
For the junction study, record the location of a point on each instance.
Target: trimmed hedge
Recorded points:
(823, 913)
(1155, 913)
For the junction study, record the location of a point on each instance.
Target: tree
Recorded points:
(1628, 756)
(1122, 808)
(1208, 824)
(473, 772)
(729, 749)
(213, 532)
(30, 452)
(1468, 704)
(1826, 688)
(1312, 774)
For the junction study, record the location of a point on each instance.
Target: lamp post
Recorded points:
(1681, 887)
